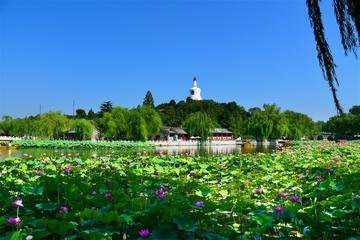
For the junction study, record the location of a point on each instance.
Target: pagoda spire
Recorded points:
(194, 82)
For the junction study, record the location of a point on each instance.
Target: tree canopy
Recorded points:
(199, 124)
(105, 107)
(148, 100)
(198, 117)
(347, 13)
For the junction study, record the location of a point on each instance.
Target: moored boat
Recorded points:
(5, 147)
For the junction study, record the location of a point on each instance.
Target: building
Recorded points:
(221, 134)
(195, 91)
(172, 134)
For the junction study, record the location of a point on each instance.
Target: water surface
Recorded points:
(170, 150)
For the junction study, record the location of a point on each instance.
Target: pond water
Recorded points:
(170, 150)
(215, 150)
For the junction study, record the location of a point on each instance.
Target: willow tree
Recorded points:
(199, 124)
(347, 14)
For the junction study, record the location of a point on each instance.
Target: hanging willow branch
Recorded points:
(347, 14)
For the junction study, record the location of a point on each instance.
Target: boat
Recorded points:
(5, 144)
(6, 147)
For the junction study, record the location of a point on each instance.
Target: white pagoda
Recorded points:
(195, 91)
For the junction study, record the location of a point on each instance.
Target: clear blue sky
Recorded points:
(251, 52)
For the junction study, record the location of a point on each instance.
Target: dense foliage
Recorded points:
(304, 192)
(268, 122)
(114, 123)
(60, 144)
(144, 122)
(346, 124)
(199, 124)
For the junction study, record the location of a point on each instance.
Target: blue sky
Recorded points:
(251, 52)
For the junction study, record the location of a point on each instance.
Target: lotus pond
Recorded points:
(308, 191)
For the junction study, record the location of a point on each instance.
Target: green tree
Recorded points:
(347, 14)
(91, 114)
(137, 126)
(267, 124)
(148, 100)
(107, 126)
(237, 126)
(346, 124)
(152, 120)
(84, 128)
(52, 125)
(259, 125)
(6, 125)
(113, 125)
(279, 121)
(105, 107)
(300, 125)
(119, 116)
(80, 113)
(355, 110)
(199, 124)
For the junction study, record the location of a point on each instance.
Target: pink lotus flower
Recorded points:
(18, 203)
(14, 221)
(279, 209)
(145, 232)
(318, 178)
(327, 168)
(285, 194)
(39, 172)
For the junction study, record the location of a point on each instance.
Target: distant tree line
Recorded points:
(197, 117)
(266, 123)
(345, 124)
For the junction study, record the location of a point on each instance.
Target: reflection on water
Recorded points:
(170, 150)
(214, 150)
(83, 153)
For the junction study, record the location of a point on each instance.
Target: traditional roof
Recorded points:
(221, 130)
(173, 130)
(179, 130)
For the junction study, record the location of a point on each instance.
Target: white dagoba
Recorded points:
(195, 91)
